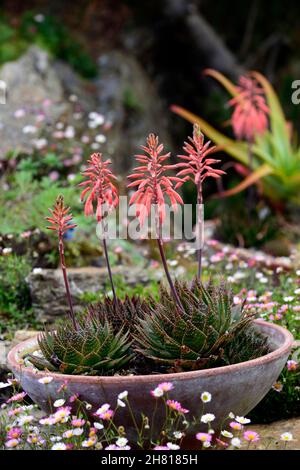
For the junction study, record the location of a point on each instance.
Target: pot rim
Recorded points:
(12, 359)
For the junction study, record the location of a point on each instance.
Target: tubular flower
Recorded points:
(61, 222)
(250, 110)
(151, 181)
(100, 187)
(60, 217)
(197, 166)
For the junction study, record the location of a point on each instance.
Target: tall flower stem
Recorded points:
(250, 201)
(153, 185)
(101, 196)
(65, 276)
(165, 265)
(109, 269)
(200, 228)
(60, 222)
(197, 166)
(162, 252)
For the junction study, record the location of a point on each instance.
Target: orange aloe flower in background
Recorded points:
(250, 115)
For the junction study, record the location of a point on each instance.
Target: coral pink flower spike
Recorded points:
(61, 222)
(153, 185)
(151, 181)
(103, 194)
(197, 166)
(99, 185)
(250, 110)
(60, 217)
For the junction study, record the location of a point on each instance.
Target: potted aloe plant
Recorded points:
(193, 337)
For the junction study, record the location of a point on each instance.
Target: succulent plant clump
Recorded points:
(121, 313)
(246, 345)
(190, 327)
(199, 336)
(93, 349)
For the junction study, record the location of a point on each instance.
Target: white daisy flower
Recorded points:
(227, 434)
(59, 446)
(236, 442)
(242, 420)
(44, 380)
(206, 397)
(121, 442)
(59, 403)
(207, 418)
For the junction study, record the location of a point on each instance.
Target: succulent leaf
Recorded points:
(196, 337)
(120, 313)
(92, 349)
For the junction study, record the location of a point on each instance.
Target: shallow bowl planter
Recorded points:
(237, 388)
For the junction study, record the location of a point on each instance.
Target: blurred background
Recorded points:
(100, 75)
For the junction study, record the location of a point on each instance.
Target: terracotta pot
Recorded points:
(237, 388)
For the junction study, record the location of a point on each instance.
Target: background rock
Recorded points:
(48, 291)
(37, 85)
(271, 433)
(42, 86)
(22, 335)
(128, 98)
(4, 348)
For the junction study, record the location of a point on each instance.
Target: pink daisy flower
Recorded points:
(204, 437)
(14, 433)
(77, 422)
(292, 365)
(251, 436)
(17, 397)
(12, 443)
(166, 386)
(176, 406)
(236, 426)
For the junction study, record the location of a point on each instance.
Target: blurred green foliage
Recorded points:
(282, 404)
(243, 226)
(48, 33)
(123, 289)
(25, 204)
(15, 301)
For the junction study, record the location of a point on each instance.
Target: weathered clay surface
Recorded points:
(237, 388)
(48, 290)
